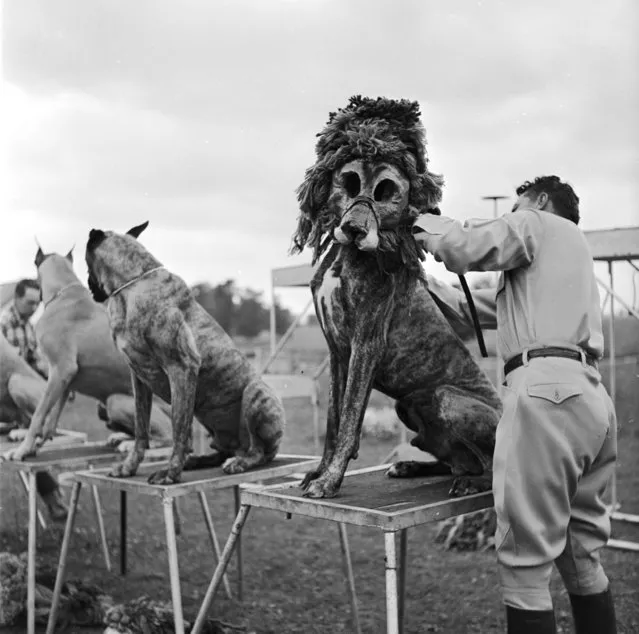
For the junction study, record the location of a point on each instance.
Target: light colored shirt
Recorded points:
(20, 333)
(547, 292)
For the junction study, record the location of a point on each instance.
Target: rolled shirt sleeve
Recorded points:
(502, 244)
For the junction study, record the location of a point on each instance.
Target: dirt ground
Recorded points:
(292, 568)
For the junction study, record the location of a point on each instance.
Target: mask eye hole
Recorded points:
(384, 190)
(351, 183)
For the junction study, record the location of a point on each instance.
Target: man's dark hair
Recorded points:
(562, 195)
(23, 285)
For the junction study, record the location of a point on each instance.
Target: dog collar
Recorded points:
(134, 280)
(64, 288)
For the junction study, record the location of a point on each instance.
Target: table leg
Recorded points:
(212, 534)
(174, 571)
(178, 519)
(64, 550)
(221, 567)
(392, 611)
(31, 552)
(403, 545)
(240, 570)
(350, 579)
(25, 484)
(100, 518)
(123, 521)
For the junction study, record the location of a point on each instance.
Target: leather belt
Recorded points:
(565, 353)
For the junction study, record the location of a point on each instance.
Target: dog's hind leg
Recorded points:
(336, 389)
(471, 425)
(414, 416)
(208, 461)
(143, 399)
(60, 377)
(262, 420)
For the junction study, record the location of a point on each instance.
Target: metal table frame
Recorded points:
(390, 505)
(57, 455)
(200, 482)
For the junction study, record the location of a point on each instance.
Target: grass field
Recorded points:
(293, 573)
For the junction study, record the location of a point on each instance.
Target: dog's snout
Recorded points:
(353, 230)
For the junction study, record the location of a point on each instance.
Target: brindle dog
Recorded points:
(383, 329)
(178, 351)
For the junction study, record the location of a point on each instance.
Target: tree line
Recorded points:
(242, 312)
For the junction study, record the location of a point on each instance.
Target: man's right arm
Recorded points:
(454, 305)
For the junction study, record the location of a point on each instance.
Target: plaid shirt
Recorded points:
(20, 333)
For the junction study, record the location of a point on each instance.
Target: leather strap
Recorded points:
(565, 353)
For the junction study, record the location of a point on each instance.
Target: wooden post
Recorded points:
(350, 579)
(64, 551)
(212, 534)
(392, 607)
(174, 570)
(31, 571)
(221, 567)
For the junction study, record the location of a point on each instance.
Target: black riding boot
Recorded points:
(594, 613)
(530, 621)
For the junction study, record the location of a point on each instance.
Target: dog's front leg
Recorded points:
(143, 399)
(183, 382)
(51, 423)
(60, 378)
(362, 366)
(335, 399)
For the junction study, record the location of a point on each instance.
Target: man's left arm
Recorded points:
(508, 242)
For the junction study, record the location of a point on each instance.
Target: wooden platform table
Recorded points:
(367, 498)
(63, 438)
(199, 481)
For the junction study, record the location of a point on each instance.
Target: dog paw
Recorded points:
(126, 446)
(469, 485)
(22, 451)
(234, 465)
(309, 477)
(164, 476)
(320, 489)
(123, 470)
(18, 435)
(116, 438)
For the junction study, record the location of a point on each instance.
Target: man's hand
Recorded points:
(420, 237)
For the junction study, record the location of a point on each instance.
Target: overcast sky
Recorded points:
(201, 116)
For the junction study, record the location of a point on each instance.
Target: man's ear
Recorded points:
(136, 231)
(542, 200)
(39, 258)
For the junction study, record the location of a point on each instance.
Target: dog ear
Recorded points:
(69, 256)
(95, 237)
(39, 258)
(136, 231)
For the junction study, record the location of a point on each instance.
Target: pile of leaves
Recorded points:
(474, 531)
(85, 605)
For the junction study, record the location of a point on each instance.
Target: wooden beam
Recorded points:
(299, 275)
(614, 244)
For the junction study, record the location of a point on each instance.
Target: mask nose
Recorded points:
(353, 230)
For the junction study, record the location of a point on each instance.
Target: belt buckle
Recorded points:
(524, 357)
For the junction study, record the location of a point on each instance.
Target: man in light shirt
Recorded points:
(556, 442)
